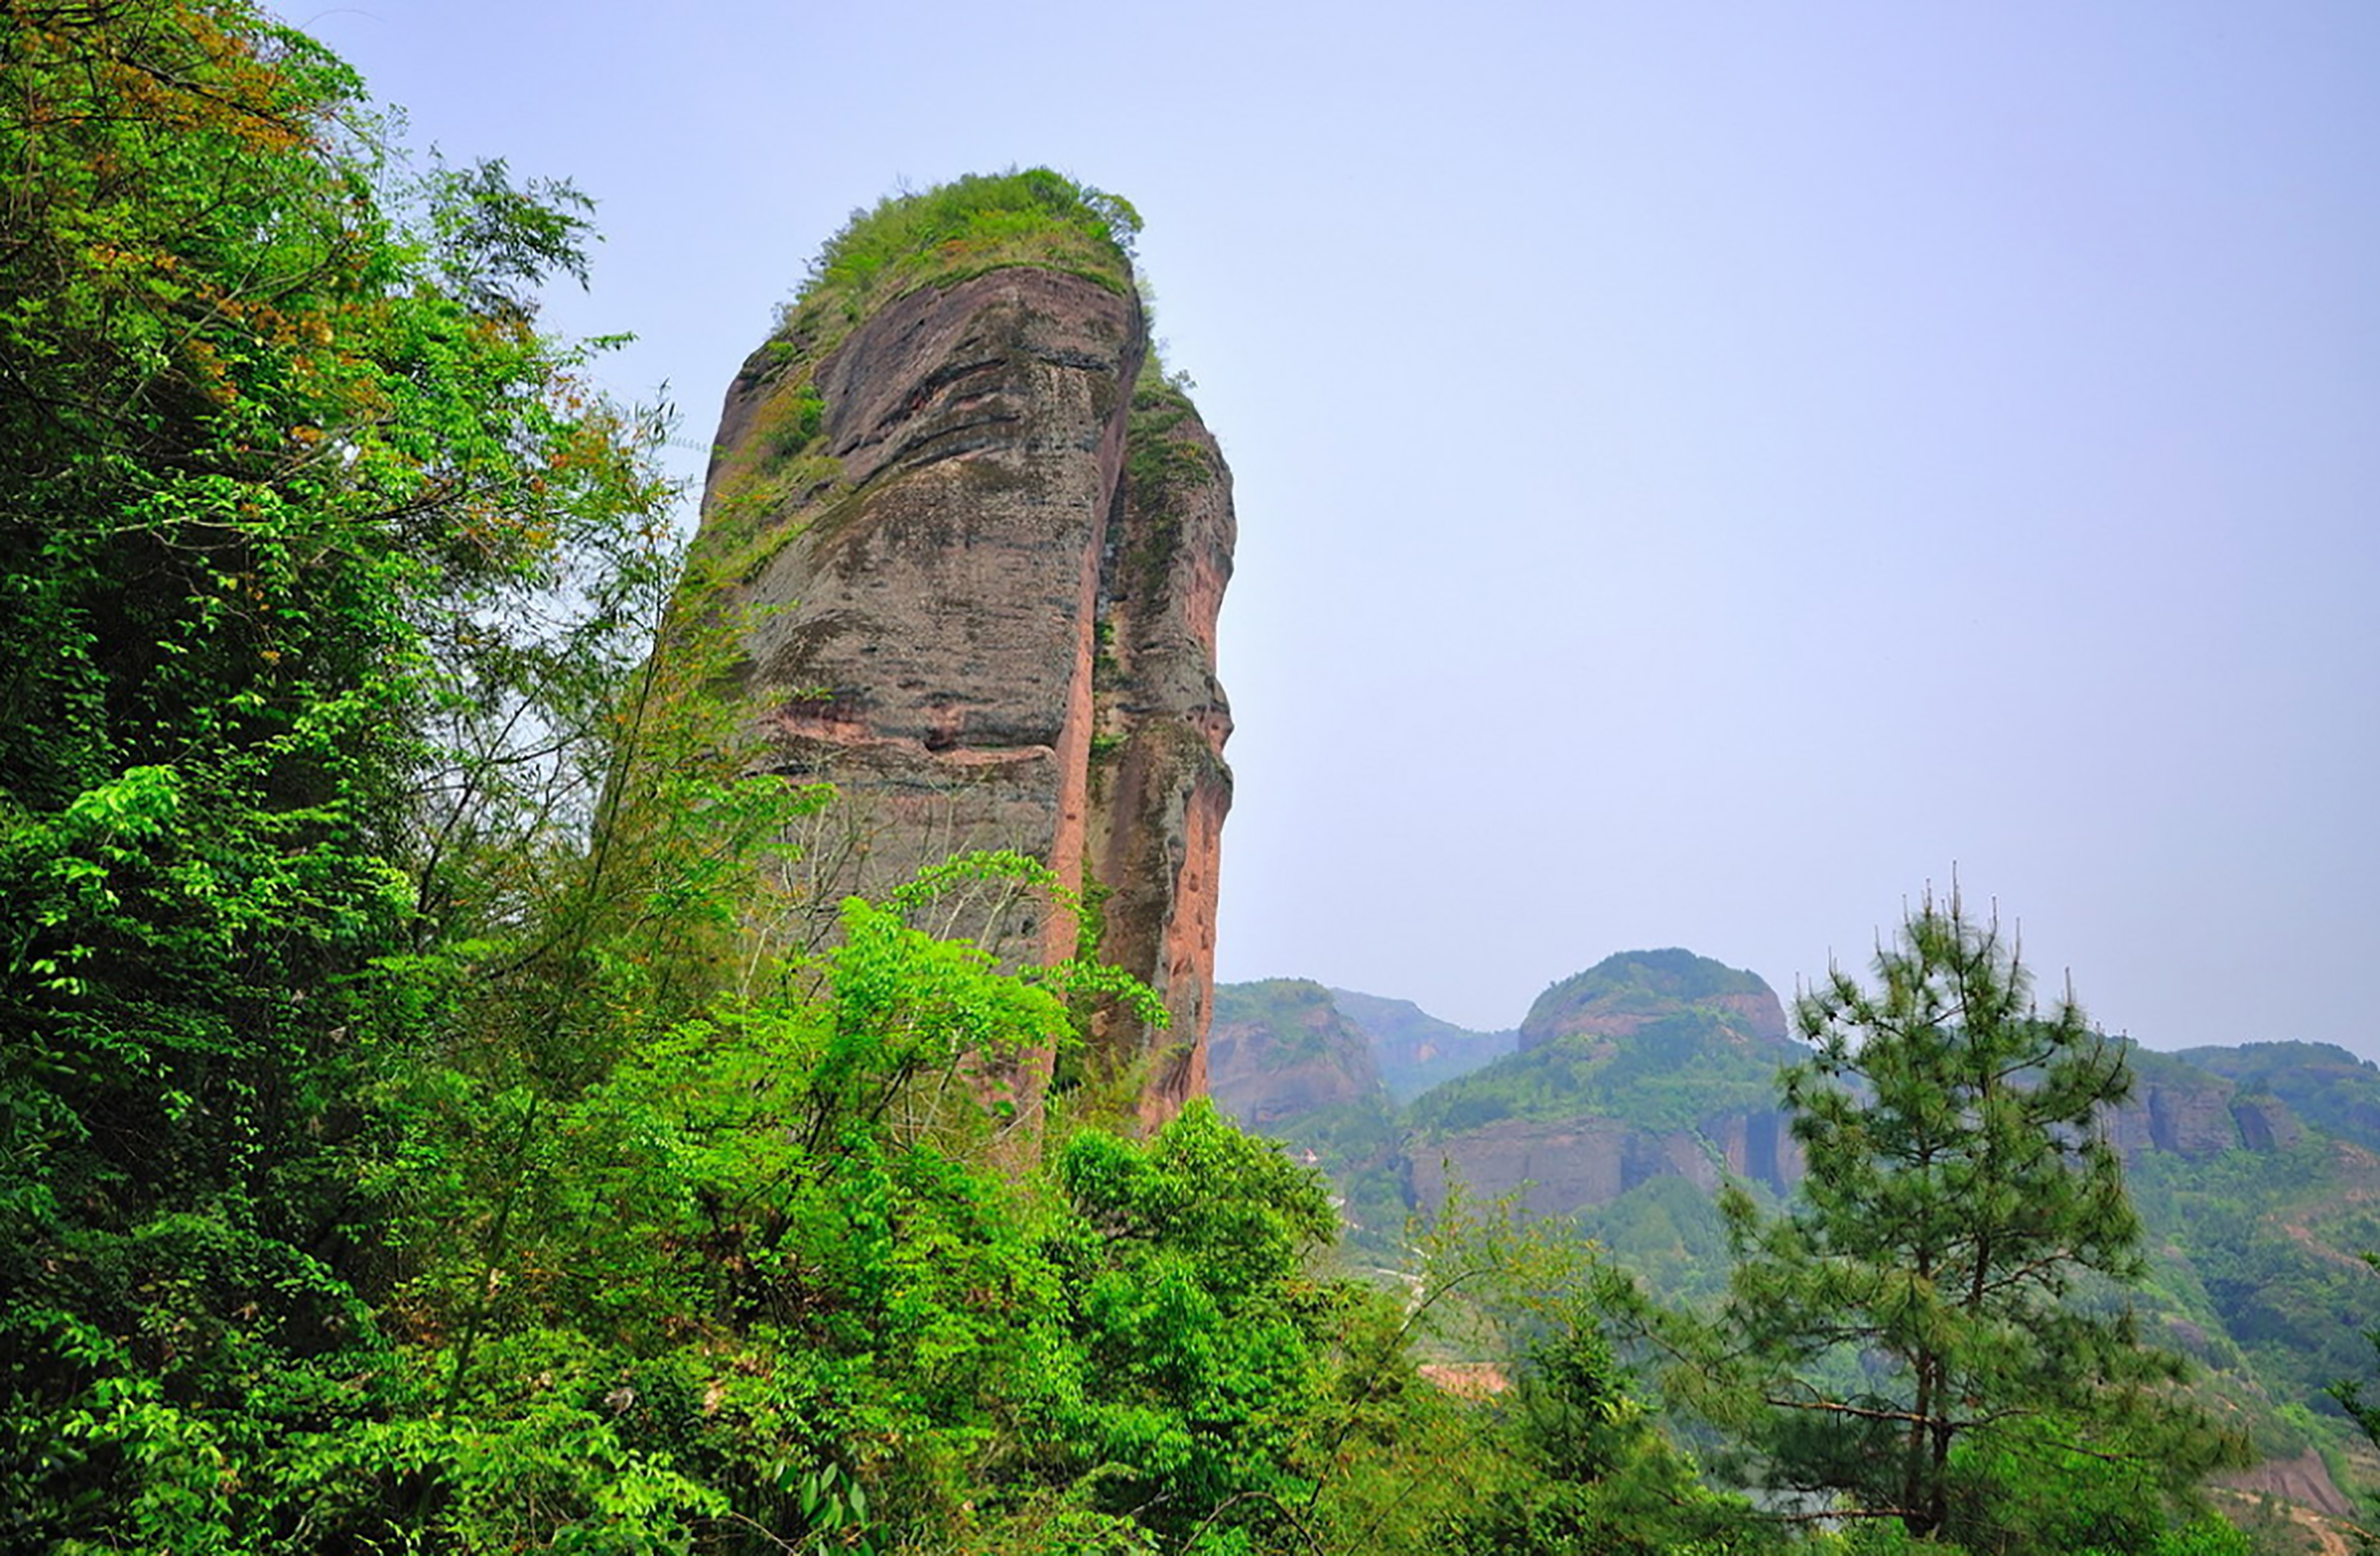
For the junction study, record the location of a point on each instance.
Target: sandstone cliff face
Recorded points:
(1559, 1166)
(1574, 1161)
(975, 580)
(2304, 1481)
(2182, 1110)
(1282, 1050)
(1159, 785)
(1649, 1064)
(2284, 1084)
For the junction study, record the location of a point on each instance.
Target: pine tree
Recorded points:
(1916, 1323)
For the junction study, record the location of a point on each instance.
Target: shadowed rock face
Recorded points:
(1558, 1166)
(975, 577)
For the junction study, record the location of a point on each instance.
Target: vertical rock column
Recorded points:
(1160, 787)
(976, 579)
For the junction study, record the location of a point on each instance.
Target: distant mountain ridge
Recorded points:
(1633, 989)
(1414, 1049)
(1632, 1090)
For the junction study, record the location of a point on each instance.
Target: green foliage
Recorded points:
(2265, 1242)
(1673, 1073)
(953, 231)
(2056, 1487)
(1201, 1331)
(1167, 458)
(316, 561)
(1576, 1462)
(1357, 1144)
(791, 420)
(2349, 1392)
(1157, 463)
(1648, 981)
(1908, 1321)
(1669, 1230)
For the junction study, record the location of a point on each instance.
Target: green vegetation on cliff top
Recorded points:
(1646, 980)
(2322, 1084)
(962, 229)
(939, 237)
(1295, 1013)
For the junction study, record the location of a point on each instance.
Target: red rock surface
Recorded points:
(2304, 1481)
(1280, 1051)
(976, 579)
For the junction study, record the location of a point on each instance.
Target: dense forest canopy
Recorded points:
(413, 1138)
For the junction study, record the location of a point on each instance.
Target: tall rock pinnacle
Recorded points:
(975, 543)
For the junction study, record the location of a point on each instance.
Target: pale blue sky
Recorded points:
(1703, 468)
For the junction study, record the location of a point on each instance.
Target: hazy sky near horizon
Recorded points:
(1704, 471)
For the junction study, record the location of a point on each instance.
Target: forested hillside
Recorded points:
(2252, 1168)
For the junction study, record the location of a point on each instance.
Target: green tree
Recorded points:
(1916, 1323)
(1200, 1326)
(2349, 1392)
(1595, 1473)
(302, 524)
